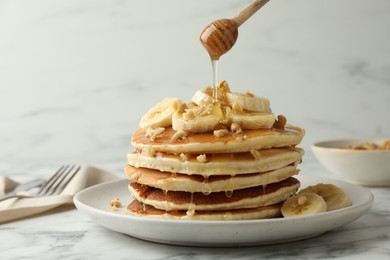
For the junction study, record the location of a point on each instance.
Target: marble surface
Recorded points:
(75, 77)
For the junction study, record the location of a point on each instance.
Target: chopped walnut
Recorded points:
(220, 132)
(239, 138)
(224, 86)
(235, 127)
(184, 157)
(201, 158)
(115, 204)
(154, 133)
(370, 146)
(179, 135)
(208, 90)
(150, 152)
(280, 122)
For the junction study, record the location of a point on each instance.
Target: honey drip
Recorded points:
(191, 208)
(215, 80)
(220, 36)
(206, 187)
(264, 187)
(229, 193)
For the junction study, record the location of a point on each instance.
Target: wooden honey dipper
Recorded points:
(220, 36)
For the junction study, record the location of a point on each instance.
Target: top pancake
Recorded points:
(229, 143)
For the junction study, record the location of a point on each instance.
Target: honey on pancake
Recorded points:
(231, 183)
(191, 208)
(229, 193)
(264, 187)
(206, 192)
(143, 189)
(207, 143)
(190, 188)
(206, 184)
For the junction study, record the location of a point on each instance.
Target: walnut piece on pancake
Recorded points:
(201, 158)
(220, 132)
(184, 157)
(154, 133)
(179, 135)
(280, 122)
(148, 151)
(241, 138)
(235, 127)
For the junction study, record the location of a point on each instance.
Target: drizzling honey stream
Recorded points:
(221, 35)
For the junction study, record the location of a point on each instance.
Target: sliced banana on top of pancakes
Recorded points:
(204, 115)
(161, 114)
(221, 156)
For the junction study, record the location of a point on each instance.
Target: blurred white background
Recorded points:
(76, 76)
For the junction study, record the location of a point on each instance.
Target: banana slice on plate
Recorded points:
(303, 204)
(161, 114)
(334, 197)
(249, 102)
(199, 119)
(251, 120)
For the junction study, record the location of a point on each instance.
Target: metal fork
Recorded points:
(53, 186)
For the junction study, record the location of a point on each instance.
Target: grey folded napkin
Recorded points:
(18, 208)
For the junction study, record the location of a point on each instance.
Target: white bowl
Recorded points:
(364, 167)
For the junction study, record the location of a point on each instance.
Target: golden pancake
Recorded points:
(218, 164)
(244, 198)
(139, 209)
(209, 143)
(197, 183)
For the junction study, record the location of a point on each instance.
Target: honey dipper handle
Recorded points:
(249, 11)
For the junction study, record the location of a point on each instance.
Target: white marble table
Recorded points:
(67, 234)
(75, 77)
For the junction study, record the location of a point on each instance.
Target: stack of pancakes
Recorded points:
(203, 176)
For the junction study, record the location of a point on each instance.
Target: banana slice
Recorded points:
(161, 114)
(303, 205)
(334, 197)
(249, 102)
(199, 119)
(251, 120)
(200, 98)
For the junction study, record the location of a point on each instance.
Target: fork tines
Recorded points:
(57, 183)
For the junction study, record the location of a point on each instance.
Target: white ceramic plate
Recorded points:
(94, 202)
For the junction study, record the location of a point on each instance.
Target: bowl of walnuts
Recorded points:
(360, 161)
